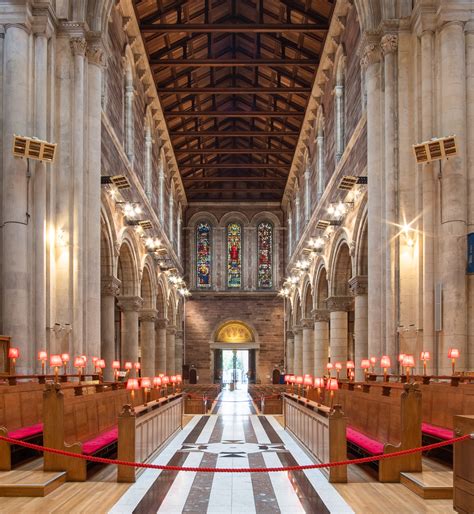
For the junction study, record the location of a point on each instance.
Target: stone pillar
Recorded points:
(179, 352)
(308, 346)
(92, 309)
(147, 341)
(453, 209)
(371, 61)
(321, 341)
(389, 45)
(298, 351)
(78, 46)
(307, 190)
(290, 235)
(171, 350)
(110, 288)
(338, 307)
(16, 304)
(290, 352)
(130, 307)
(358, 287)
(160, 350)
(39, 190)
(298, 218)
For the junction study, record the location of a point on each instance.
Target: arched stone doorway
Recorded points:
(233, 338)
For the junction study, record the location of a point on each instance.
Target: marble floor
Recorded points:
(233, 436)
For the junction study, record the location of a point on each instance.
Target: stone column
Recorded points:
(171, 350)
(389, 45)
(321, 341)
(95, 57)
(371, 61)
(179, 352)
(130, 307)
(308, 345)
(298, 218)
(110, 288)
(338, 307)
(307, 189)
(16, 304)
(298, 351)
(290, 351)
(160, 350)
(147, 341)
(290, 235)
(453, 209)
(78, 46)
(358, 287)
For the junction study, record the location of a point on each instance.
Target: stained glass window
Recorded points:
(234, 249)
(265, 255)
(203, 255)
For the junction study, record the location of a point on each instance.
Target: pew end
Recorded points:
(126, 447)
(5, 452)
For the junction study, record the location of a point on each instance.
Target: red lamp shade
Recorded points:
(408, 361)
(318, 382)
(146, 383)
(350, 365)
(173, 379)
(13, 353)
(156, 381)
(65, 357)
(373, 361)
(287, 379)
(42, 356)
(338, 366)
(401, 357)
(84, 358)
(137, 365)
(165, 380)
(308, 380)
(55, 360)
(100, 363)
(94, 359)
(179, 379)
(385, 361)
(453, 353)
(329, 366)
(425, 356)
(128, 365)
(299, 379)
(332, 385)
(132, 384)
(79, 362)
(293, 379)
(365, 364)
(115, 364)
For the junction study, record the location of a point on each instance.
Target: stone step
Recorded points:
(430, 485)
(18, 483)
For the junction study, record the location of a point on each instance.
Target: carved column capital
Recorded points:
(370, 55)
(148, 315)
(96, 55)
(171, 330)
(297, 330)
(358, 285)
(320, 314)
(110, 286)
(130, 303)
(161, 323)
(290, 335)
(78, 46)
(179, 334)
(389, 43)
(307, 323)
(339, 303)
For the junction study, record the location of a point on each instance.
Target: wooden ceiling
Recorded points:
(234, 78)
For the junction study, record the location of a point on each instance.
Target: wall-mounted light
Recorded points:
(339, 209)
(131, 210)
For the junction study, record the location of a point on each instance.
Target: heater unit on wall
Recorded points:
(33, 148)
(119, 181)
(435, 149)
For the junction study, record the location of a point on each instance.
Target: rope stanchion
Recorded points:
(363, 460)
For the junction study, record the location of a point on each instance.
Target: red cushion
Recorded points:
(101, 441)
(438, 432)
(369, 445)
(26, 432)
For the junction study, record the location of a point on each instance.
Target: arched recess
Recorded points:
(321, 289)
(171, 309)
(192, 225)
(147, 285)
(161, 295)
(297, 311)
(307, 305)
(127, 270)
(361, 249)
(342, 271)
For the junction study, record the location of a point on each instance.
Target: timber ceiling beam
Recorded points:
(151, 28)
(234, 90)
(249, 151)
(222, 63)
(233, 114)
(240, 133)
(238, 166)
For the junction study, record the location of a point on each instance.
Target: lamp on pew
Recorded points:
(329, 367)
(385, 363)
(128, 366)
(79, 363)
(318, 384)
(408, 363)
(173, 382)
(116, 367)
(65, 360)
(453, 354)
(13, 355)
(299, 382)
(338, 367)
(179, 381)
(332, 386)
(55, 362)
(43, 357)
(365, 365)
(132, 386)
(292, 382)
(157, 383)
(373, 362)
(287, 382)
(350, 370)
(137, 367)
(165, 380)
(146, 386)
(308, 382)
(100, 366)
(425, 356)
(94, 360)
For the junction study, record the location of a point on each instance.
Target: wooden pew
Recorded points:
(42, 379)
(463, 500)
(260, 393)
(86, 424)
(143, 431)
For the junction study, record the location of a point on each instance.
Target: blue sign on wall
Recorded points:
(470, 253)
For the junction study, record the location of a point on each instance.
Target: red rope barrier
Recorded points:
(363, 460)
(202, 398)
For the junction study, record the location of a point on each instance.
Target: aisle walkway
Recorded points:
(232, 437)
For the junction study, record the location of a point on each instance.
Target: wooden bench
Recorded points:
(199, 398)
(42, 379)
(260, 395)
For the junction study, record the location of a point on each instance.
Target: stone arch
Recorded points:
(172, 307)
(107, 261)
(128, 265)
(147, 284)
(307, 303)
(228, 321)
(341, 270)
(321, 289)
(161, 297)
(236, 216)
(98, 12)
(297, 310)
(361, 243)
